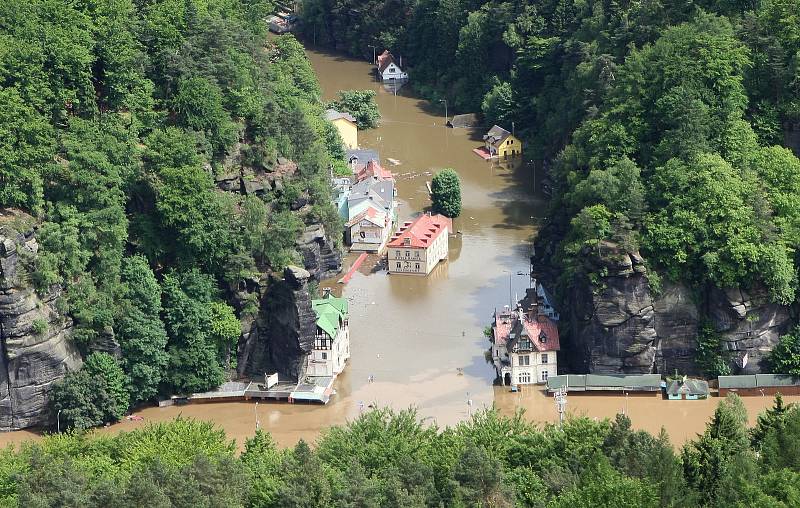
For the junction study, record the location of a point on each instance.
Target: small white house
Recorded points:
(332, 339)
(388, 69)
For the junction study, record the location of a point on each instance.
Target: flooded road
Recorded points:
(422, 337)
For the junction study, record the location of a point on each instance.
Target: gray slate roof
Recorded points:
(332, 114)
(381, 192)
(496, 134)
(363, 156)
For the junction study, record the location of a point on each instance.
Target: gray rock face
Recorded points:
(749, 324)
(320, 255)
(37, 349)
(283, 332)
(619, 327)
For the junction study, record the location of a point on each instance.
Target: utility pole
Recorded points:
(374, 57)
(255, 409)
(446, 116)
(561, 404)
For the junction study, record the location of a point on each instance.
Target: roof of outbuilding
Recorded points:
(332, 114)
(362, 155)
(689, 386)
(621, 382)
(384, 59)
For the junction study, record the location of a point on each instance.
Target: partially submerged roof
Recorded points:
(496, 134)
(609, 382)
(464, 121)
(757, 381)
(422, 231)
(373, 169)
(688, 387)
(332, 114)
(330, 312)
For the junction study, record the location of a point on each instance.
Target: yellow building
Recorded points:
(346, 125)
(501, 143)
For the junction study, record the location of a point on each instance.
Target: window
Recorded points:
(417, 266)
(408, 254)
(544, 358)
(398, 265)
(525, 344)
(544, 375)
(524, 378)
(324, 356)
(525, 360)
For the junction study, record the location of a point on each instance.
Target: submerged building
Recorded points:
(419, 245)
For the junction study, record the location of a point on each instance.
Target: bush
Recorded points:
(446, 193)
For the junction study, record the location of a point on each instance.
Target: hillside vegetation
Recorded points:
(391, 460)
(116, 116)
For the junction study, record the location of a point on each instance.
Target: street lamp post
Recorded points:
(58, 421)
(446, 116)
(374, 57)
(255, 410)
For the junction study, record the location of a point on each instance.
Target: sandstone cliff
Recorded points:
(282, 333)
(36, 339)
(616, 323)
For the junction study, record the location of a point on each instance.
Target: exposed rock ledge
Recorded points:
(33, 355)
(618, 326)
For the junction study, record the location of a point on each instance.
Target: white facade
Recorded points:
(418, 260)
(393, 72)
(328, 358)
(524, 368)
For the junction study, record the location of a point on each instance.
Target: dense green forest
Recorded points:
(661, 122)
(115, 118)
(392, 460)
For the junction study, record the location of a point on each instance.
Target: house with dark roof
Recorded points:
(419, 245)
(525, 344)
(501, 143)
(388, 68)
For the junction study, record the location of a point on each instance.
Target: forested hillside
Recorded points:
(116, 118)
(391, 460)
(664, 126)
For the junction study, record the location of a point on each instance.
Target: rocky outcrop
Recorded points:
(37, 349)
(617, 326)
(749, 326)
(320, 256)
(282, 334)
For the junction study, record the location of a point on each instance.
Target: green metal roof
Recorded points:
(776, 380)
(582, 382)
(748, 381)
(329, 311)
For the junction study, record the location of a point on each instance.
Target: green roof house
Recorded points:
(332, 340)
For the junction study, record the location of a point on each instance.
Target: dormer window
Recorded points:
(543, 338)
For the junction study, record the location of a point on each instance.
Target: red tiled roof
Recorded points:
(373, 168)
(422, 231)
(534, 327)
(384, 59)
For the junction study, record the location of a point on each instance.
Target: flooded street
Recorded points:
(422, 337)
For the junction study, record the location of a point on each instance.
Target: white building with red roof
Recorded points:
(524, 345)
(418, 246)
(388, 69)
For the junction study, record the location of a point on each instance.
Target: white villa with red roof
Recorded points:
(370, 208)
(389, 69)
(419, 245)
(524, 345)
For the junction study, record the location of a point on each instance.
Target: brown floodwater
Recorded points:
(421, 338)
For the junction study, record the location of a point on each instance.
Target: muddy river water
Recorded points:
(421, 338)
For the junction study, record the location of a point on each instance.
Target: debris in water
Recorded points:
(394, 162)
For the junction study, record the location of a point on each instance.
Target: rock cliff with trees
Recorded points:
(157, 160)
(664, 130)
